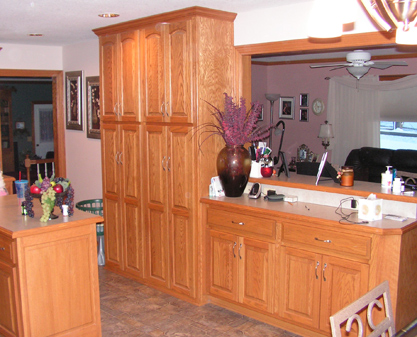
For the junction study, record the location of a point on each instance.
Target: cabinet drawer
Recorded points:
(6, 252)
(241, 223)
(327, 240)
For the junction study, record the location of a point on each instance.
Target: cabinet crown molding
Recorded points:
(178, 15)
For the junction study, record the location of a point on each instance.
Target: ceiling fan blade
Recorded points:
(340, 67)
(330, 65)
(385, 65)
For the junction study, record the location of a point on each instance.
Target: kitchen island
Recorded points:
(294, 264)
(48, 273)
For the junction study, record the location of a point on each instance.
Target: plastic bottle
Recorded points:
(386, 178)
(396, 186)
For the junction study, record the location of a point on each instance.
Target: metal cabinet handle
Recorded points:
(317, 265)
(166, 109)
(168, 167)
(162, 111)
(115, 158)
(238, 223)
(324, 269)
(162, 163)
(2, 249)
(234, 245)
(120, 158)
(326, 241)
(240, 247)
(115, 109)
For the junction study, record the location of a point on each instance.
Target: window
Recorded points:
(398, 135)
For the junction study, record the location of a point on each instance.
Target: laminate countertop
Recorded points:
(15, 225)
(310, 212)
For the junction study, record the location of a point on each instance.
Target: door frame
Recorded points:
(58, 110)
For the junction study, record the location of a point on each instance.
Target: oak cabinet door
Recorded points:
(153, 81)
(180, 209)
(130, 199)
(8, 318)
(128, 101)
(108, 79)
(256, 262)
(224, 265)
(157, 201)
(343, 282)
(300, 281)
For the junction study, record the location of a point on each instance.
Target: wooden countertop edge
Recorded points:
(51, 227)
(329, 189)
(327, 222)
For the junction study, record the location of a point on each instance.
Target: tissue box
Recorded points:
(370, 209)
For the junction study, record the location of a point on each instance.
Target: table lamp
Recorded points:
(325, 133)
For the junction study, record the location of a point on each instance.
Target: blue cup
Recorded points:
(21, 188)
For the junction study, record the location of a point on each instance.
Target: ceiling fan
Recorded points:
(359, 63)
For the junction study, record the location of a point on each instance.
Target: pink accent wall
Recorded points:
(291, 80)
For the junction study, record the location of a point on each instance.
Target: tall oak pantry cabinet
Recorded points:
(155, 75)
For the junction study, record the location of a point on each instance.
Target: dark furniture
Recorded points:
(369, 162)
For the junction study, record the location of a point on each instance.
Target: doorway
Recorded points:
(57, 109)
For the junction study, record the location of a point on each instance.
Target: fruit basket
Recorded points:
(50, 192)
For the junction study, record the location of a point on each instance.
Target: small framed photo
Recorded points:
(73, 92)
(93, 107)
(286, 107)
(303, 115)
(20, 125)
(303, 100)
(261, 115)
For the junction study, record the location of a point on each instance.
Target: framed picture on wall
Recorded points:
(93, 107)
(303, 115)
(286, 107)
(303, 100)
(261, 115)
(73, 93)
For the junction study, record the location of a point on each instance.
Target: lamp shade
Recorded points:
(326, 131)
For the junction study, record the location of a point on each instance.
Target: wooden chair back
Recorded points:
(39, 162)
(350, 314)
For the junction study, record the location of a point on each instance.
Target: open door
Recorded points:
(43, 128)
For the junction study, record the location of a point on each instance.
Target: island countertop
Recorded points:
(15, 225)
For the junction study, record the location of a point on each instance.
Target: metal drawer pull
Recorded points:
(238, 223)
(234, 255)
(2, 248)
(162, 163)
(167, 109)
(162, 111)
(327, 241)
(168, 167)
(317, 265)
(324, 269)
(240, 247)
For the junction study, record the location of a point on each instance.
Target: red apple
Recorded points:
(58, 188)
(35, 189)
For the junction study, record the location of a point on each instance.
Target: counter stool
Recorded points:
(95, 206)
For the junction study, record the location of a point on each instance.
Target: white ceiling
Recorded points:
(65, 22)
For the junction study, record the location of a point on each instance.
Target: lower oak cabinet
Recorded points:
(293, 274)
(315, 286)
(241, 269)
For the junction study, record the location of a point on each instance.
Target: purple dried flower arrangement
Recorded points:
(236, 125)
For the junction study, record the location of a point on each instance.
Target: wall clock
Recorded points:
(318, 106)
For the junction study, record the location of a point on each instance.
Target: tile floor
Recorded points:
(130, 309)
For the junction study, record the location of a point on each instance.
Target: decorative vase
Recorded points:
(233, 168)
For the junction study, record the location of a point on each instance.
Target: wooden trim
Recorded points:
(374, 39)
(58, 109)
(179, 15)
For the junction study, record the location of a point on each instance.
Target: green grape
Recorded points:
(48, 203)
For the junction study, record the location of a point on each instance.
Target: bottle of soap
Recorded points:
(386, 178)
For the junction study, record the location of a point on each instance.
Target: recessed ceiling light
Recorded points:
(108, 15)
(35, 34)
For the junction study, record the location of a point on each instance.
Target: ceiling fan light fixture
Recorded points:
(393, 15)
(406, 37)
(357, 72)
